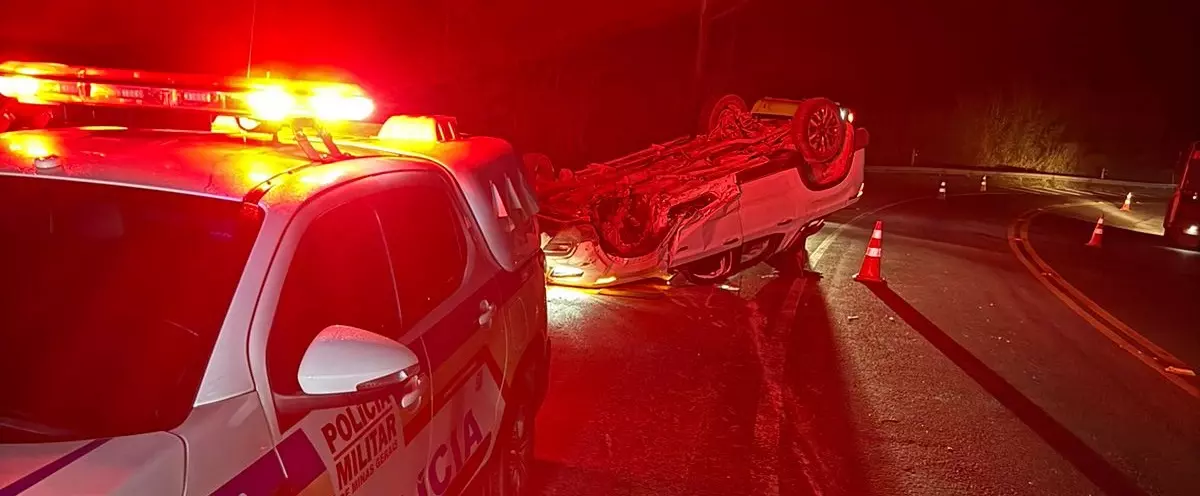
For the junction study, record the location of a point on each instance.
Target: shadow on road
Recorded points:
(704, 391)
(1091, 464)
(819, 442)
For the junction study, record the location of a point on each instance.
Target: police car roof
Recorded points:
(197, 162)
(216, 164)
(208, 163)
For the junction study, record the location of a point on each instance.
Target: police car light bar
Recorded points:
(260, 99)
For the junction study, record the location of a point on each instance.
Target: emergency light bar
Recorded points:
(427, 128)
(261, 99)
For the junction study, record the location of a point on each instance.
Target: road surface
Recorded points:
(966, 374)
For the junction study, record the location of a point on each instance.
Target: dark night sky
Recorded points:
(588, 84)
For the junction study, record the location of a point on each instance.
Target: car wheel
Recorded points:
(709, 270)
(721, 113)
(818, 130)
(515, 450)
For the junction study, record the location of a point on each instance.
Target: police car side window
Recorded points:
(427, 243)
(338, 276)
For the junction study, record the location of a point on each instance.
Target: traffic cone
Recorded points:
(1128, 200)
(983, 185)
(870, 271)
(1097, 233)
(942, 191)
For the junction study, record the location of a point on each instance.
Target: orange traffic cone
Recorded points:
(983, 185)
(870, 271)
(1128, 200)
(942, 191)
(1097, 233)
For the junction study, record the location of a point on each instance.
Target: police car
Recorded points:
(274, 305)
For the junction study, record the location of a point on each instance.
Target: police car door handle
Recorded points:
(414, 389)
(486, 310)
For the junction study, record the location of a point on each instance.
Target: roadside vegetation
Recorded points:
(1016, 128)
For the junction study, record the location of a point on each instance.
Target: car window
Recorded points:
(338, 276)
(112, 297)
(426, 242)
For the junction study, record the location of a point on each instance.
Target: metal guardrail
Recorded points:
(1006, 178)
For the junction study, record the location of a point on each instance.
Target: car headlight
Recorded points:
(1192, 230)
(565, 271)
(563, 243)
(559, 249)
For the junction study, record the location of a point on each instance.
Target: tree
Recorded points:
(1016, 127)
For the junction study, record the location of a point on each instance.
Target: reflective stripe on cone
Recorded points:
(1097, 233)
(871, 270)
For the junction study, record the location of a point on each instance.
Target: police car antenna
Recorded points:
(250, 48)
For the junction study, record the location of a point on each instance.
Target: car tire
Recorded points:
(514, 449)
(710, 270)
(818, 130)
(714, 111)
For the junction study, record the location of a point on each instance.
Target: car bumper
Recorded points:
(588, 266)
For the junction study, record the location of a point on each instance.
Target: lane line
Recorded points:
(1092, 305)
(1078, 192)
(768, 340)
(819, 251)
(1127, 339)
(769, 348)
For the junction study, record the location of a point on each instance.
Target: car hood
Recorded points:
(141, 464)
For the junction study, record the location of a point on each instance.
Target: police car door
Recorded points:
(340, 274)
(445, 280)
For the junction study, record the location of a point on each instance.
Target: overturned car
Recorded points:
(750, 188)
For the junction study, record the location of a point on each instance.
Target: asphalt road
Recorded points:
(965, 374)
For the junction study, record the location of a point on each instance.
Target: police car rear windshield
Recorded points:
(111, 297)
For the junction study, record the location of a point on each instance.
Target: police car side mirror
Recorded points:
(344, 359)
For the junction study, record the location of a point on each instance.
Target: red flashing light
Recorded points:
(19, 87)
(264, 99)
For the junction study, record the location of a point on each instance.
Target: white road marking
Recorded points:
(768, 338)
(819, 251)
(769, 346)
